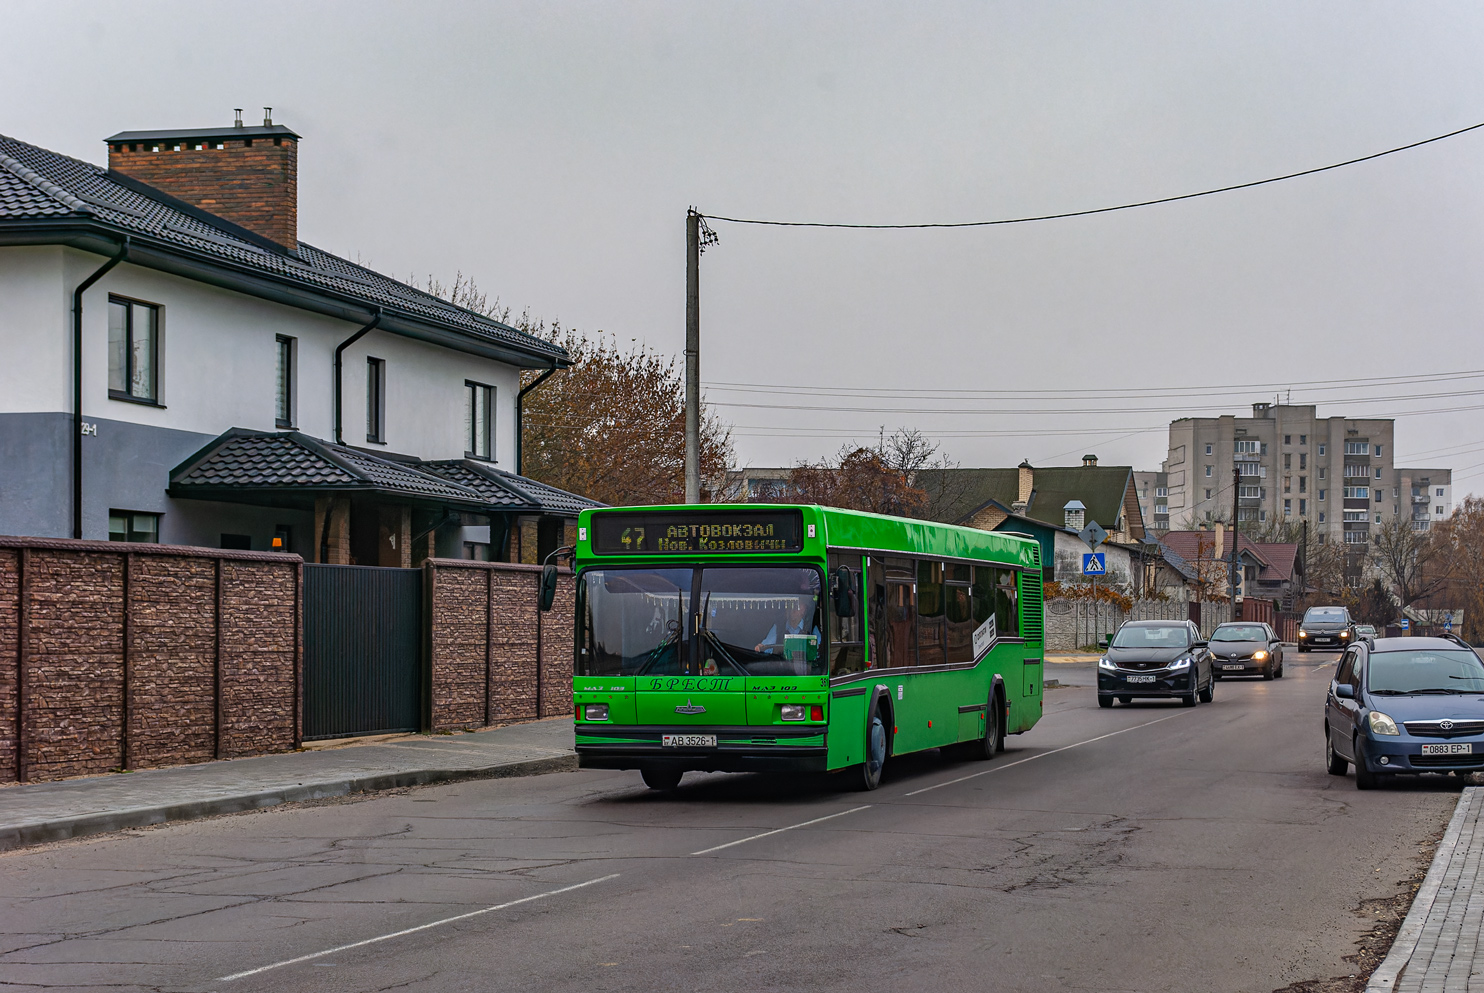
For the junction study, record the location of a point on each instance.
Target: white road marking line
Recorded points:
(412, 930)
(743, 841)
(1008, 765)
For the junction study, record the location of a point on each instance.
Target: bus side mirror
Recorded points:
(843, 590)
(548, 586)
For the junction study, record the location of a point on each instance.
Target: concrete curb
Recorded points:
(24, 835)
(1383, 980)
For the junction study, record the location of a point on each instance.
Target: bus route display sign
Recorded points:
(688, 532)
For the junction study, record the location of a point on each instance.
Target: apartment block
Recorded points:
(1337, 473)
(1154, 503)
(1426, 495)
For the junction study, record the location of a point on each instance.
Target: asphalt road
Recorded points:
(1146, 848)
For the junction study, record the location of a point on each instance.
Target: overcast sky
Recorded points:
(550, 150)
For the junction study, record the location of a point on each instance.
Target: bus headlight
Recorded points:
(595, 711)
(1381, 724)
(791, 711)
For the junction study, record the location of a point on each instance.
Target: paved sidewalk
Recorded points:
(1438, 949)
(35, 813)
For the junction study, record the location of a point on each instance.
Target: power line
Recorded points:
(1100, 210)
(1102, 393)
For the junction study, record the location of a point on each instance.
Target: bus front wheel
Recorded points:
(875, 751)
(661, 778)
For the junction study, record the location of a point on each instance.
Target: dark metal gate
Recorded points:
(362, 650)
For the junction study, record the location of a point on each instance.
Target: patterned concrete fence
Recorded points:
(1075, 625)
(127, 656)
(491, 651)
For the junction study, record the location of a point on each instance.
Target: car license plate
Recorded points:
(1462, 748)
(1140, 679)
(1234, 667)
(688, 740)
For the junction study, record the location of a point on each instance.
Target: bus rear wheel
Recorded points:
(993, 740)
(875, 751)
(660, 777)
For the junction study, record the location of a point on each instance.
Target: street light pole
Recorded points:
(692, 356)
(1236, 514)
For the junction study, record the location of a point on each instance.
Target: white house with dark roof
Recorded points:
(179, 367)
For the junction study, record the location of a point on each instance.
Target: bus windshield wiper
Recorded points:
(652, 656)
(724, 650)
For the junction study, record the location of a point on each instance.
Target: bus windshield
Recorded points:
(754, 621)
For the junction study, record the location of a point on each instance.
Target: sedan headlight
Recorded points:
(1183, 662)
(1259, 656)
(1303, 633)
(1106, 663)
(1344, 634)
(1381, 724)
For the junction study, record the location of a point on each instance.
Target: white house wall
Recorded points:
(217, 370)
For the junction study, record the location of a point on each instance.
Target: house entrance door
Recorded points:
(362, 650)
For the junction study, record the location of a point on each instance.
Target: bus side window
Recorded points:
(982, 594)
(847, 644)
(929, 612)
(959, 612)
(1007, 615)
(900, 613)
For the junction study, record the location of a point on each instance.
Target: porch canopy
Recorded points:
(372, 509)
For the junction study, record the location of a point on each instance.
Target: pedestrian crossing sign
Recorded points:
(1094, 564)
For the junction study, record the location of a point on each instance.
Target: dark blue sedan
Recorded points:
(1405, 705)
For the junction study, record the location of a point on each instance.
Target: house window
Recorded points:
(1287, 507)
(1357, 493)
(1438, 510)
(1321, 494)
(479, 413)
(129, 525)
(283, 398)
(1379, 494)
(1355, 537)
(1288, 439)
(1208, 472)
(1303, 506)
(1262, 517)
(1287, 484)
(1303, 484)
(1378, 451)
(1208, 494)
(1357, 448)
(1288, 460)
(1321, 473)
(1321, 449)
(1249, 492)
(133, 350)
(376, 401)
(1321, 517)
(1303, 460)
(1245, 447)
(1163, 491)
(1378, 518)
(1440, 491)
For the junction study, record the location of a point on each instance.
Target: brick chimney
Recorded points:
(246, 175)
(1025, 486)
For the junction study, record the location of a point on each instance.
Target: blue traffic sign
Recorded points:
(1094, 564)
(1406, 624)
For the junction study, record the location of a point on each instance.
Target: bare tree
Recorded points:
(856, 479)
(1462, 538)
(1412, 563)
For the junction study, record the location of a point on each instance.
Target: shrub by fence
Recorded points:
(117, 655)
(491, 651)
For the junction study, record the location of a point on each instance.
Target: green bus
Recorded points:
(766, 638)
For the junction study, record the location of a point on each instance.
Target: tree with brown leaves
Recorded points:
(612, 427)
(856, 479)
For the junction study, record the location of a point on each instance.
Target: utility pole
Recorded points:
(692, 356)
(1236, 514)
